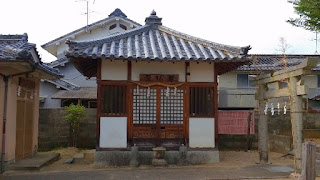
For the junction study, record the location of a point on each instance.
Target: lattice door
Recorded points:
(144, 114)
(144, 106)
(171, 114)
(158, 116)
(171, 106)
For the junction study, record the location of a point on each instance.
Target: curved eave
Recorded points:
(88, 65)
(103, 56)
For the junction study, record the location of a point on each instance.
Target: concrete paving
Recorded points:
(175, 173)
(35, 162)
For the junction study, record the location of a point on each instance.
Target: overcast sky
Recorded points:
(259, 23)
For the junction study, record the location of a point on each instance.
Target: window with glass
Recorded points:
(245, 80)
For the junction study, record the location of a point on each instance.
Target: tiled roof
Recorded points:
(275, 62)
(64, 84)
(82, 93)
(315, 98)
(156, 42)
(58, 62)
(116, 13)
(14, 47)
(17, 47)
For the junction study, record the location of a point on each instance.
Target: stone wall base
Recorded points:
(122, 158)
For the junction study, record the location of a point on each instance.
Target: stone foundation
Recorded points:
(122, 158)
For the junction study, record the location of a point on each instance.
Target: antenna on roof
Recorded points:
(87, 13)
(316, 52)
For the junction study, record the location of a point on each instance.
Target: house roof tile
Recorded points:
(82, 93)
(116, 13)
(156, 42)
(273, 62)
(17, 47)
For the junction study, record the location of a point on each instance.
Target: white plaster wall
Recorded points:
(158, 68)
(114, 70)
(202, 72)
(201, 132)
(113, 132)
(227, 80)
(94, 34)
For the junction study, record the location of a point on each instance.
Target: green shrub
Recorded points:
(75, 113)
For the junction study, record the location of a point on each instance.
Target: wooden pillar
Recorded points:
(308, 161)
(99, 105)
(296, 122)
(262, 126)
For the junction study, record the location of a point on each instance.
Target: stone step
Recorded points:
(318, 148)
(318, 163)
(78, 158)
(35, 162)
(89, 155)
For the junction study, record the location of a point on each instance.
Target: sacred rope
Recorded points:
(158, 84)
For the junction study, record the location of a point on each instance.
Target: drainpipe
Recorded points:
(6, 81)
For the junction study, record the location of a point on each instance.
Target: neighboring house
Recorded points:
(236, 90)
(20, 70)
(156, 86)
(53, 92)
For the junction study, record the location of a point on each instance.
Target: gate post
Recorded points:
(308, 161)
(297, 124)
(262, 127)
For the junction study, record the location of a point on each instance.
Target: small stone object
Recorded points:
(78, 158)
(182, 161)
(134, 156)
(158, 156)
(295, 176)
(69, 161)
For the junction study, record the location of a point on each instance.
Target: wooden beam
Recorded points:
(280, 77)
(277, 93)
(284, 92)
(129, 71)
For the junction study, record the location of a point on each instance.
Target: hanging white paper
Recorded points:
(167, 92)
(272, 109)
(19, 91)
(285, 108)
(148, 92)
(279, 108)
(266, 109)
